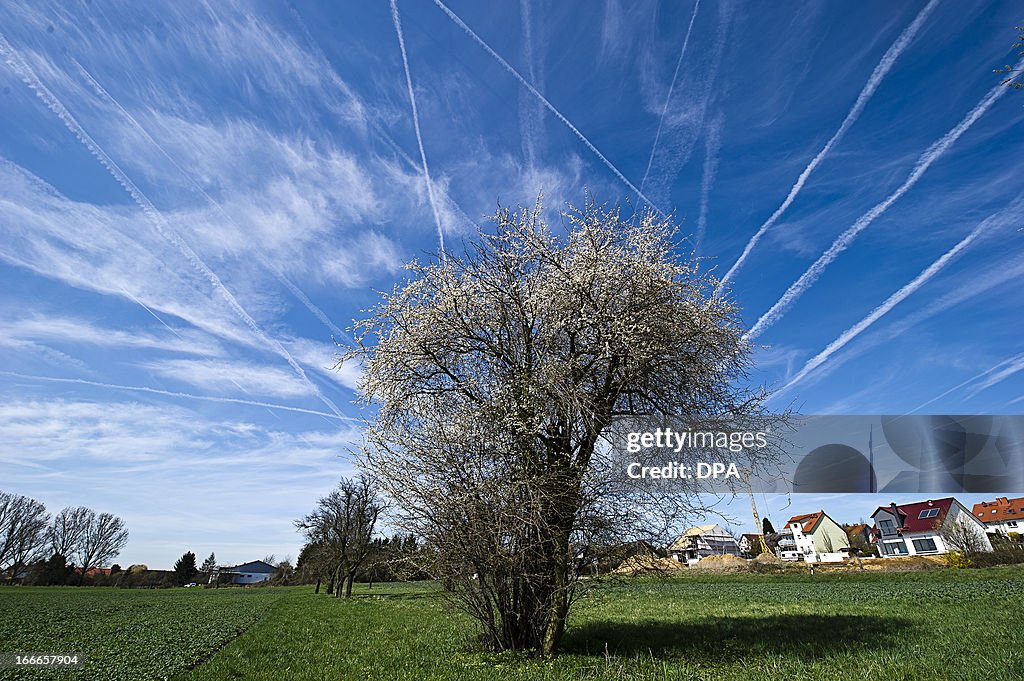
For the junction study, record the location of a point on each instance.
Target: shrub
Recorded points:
(1005, 554)
(957, 560)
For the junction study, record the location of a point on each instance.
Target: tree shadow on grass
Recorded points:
(806, 637)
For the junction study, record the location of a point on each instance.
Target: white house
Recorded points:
(1002, 515)
(750, 545)
(922, 528)
(702, 541)
(249, 573)
(813, 537)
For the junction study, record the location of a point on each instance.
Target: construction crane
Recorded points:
(757, 517)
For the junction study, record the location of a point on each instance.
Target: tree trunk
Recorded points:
(563, 515)
(339, 582)
(559, 608)
(348, 584)
(318, 580)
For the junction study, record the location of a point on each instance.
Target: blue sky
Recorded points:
(194, 198)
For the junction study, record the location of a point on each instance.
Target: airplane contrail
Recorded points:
(712, 147)
(397, 21)
(893, 300)
(1018, 359)
(550, 107)
(843, 241)
(1014, 365)
(668, 97)
(1007, 271)
(320, 314)
(172, 393)
(154, 314)
(881, 70)
(528, 117)
(163, 228)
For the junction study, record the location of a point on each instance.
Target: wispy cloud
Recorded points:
(550, 107)
(196, 186)
(881, 70)
(992, 223)
(373, 252)
(21, 67)
(397, 21)
(177, 394)
(324, 357)
(613, 34)
(99, 248)
(930, 156)
(215, 375)
(260, 184)
(79, 331)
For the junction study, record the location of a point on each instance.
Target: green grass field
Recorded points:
(126, 633)
(935, 625)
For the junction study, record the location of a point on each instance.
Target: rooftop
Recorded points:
(921, 516)
(1000, 510)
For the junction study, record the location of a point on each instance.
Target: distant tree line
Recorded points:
(389, 559)
(62, 549)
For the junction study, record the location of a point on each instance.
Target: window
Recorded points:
(894, 548)
(929, 513)
(1011, 523)
(924, 545)
(887, 526)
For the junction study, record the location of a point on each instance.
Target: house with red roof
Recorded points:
(925, 528)
(859, 532)
(813, 537)
(93, 571)
(1003, 515)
